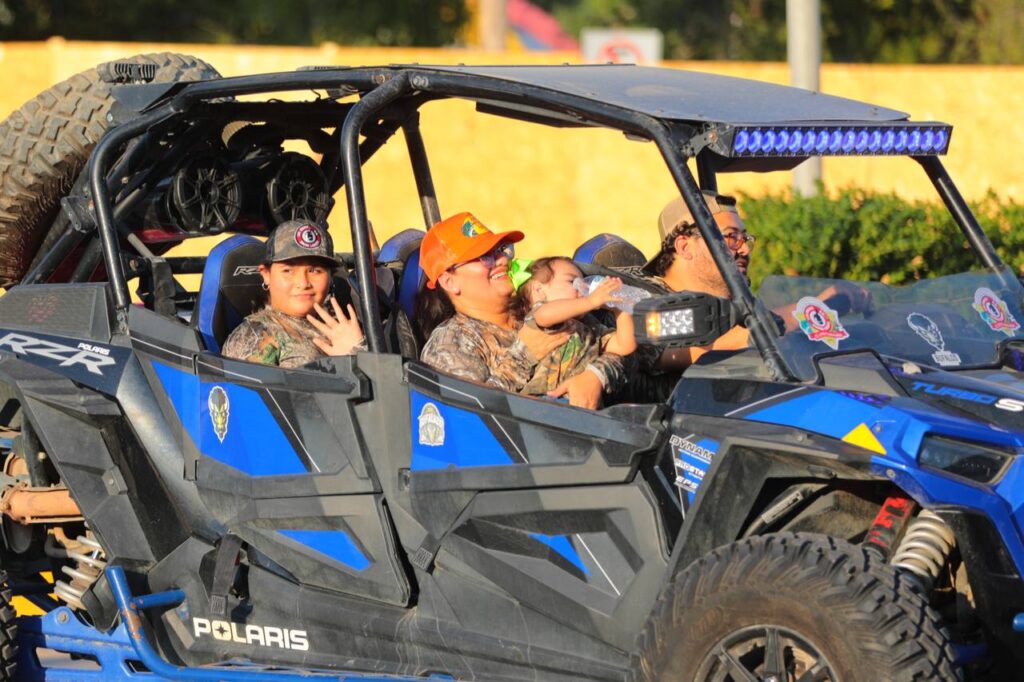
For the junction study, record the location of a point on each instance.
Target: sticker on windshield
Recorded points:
(924, 327)
(819, 322)
(994, 312)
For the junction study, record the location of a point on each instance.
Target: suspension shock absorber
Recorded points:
(925, 547)
(89, 564)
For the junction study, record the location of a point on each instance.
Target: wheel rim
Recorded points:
(765, 653)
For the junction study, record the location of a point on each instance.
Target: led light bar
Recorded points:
(922, 139)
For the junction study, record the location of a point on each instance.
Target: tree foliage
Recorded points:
(871, 236)
(282, 22)
(920, 31)
(925, 31)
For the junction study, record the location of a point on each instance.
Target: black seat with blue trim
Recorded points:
(230, 290)
(404, 248)
(609, 251)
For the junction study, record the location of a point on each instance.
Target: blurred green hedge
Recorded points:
(862, 235)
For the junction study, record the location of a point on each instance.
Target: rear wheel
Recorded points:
(44, 146)
(793, 608)
(8, 632)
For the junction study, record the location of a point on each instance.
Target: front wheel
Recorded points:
(792, 607)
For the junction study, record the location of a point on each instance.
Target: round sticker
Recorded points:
(819, 322)
(994, 312)
(308, 237)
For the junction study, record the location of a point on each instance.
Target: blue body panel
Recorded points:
(899, 425)
(562, 545)
(253, 442)
(464, 440)
(334, 544)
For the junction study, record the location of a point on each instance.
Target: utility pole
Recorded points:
(493, 24)
(803, 42)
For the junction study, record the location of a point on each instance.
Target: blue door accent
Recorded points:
(463, 440)
(825, 412)
(563, 546)
(335, 544)
(253, 442)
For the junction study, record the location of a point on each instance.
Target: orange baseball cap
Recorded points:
(458, 239)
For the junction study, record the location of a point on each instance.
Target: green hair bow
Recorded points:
(519, 272)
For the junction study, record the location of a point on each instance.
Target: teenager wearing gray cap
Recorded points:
(297, 271)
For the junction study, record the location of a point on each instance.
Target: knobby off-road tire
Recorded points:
(45, 144)
(810, 600)
(8, 633)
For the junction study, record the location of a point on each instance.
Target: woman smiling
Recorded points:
(472, 327)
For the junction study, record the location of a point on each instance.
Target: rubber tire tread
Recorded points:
(8, 632)
(907, 640)
(45, 144)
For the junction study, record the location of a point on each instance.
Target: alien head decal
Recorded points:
(219, 411)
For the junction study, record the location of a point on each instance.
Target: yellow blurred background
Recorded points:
(562, 186)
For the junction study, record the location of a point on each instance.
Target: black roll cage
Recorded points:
(408, 88)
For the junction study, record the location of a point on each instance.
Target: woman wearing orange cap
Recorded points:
(466, 312)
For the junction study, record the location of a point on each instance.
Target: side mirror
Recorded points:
(682, 319)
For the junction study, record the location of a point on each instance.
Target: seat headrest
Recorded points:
(609, 251)
(230, 290)
(400, 246)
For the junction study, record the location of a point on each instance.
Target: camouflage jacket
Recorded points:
(488, 354)
(587, 339)
(271, 337)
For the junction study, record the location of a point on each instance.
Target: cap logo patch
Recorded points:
(308, 237)
(471, 228)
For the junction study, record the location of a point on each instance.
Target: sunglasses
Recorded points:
(507, 251)
(734, 240)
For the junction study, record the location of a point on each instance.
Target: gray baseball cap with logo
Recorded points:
(300, 239)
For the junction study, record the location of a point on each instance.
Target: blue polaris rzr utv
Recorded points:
(841, 501)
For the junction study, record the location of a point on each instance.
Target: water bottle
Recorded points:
(627, 296)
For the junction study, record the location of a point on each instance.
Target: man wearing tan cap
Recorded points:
(684, 262)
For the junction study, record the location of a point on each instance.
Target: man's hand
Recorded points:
(859, 298)
(341, 334)
(540, 343)
(584, 390)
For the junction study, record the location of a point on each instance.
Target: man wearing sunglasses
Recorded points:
(684, 263)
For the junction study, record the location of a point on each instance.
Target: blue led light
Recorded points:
(835, 141)
(796, 138)
(901, 141)
(781, 141)
(755, 141)
(849, 138)
(888, 140)
(821, 142)
(927, 140)
(874, 141)
(861, 141)
(809, 137)
(898, 138)
(739, 143)
(914, 142)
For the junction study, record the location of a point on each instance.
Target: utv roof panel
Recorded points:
(671, 94)
(684, 95)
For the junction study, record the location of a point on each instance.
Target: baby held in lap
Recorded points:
(548, 294)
